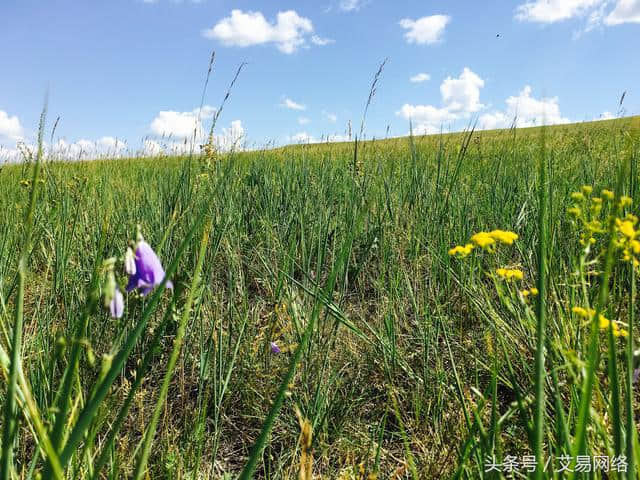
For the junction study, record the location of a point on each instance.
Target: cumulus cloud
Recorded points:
(462, 93)
(10, 128)
(606, 116)
(420, 77)
(63, 149)
(425, 30)
(526, 111)
(181, 125)
(229, 138)
(303, 120)
(598, 12)
(460, 98)
(291, 105)
(302, 137)
(625, 11)
(289, 32)
(426, 118)
(550, 11)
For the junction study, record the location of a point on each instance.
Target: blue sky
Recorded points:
(134, 69)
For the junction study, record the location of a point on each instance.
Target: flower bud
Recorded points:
(130, 262)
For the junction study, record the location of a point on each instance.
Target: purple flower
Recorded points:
(275, 348)
(116, 305)
(148, 270)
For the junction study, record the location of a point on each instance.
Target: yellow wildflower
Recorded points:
(503, 236)
(587, 189)
(461, 250)
(577, 196)
(534, 291)
(483, 240)
(510, 273)
(583, 312)
(607, 194)
(604, 323)
(625, 201)
(625, 227)
(574, 211)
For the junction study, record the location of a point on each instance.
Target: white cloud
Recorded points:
(231, 138)
(606, 116)
(291, 105)
(460, 98)
(337, 138)
(420, 77)
(243, 29)
(181, 125)
(350, 5)
(491, 121)
(332, 117)
(462, 93)
(425, 30)
(625, 11)
(526, 111)
(302, 137)
(550, 11)
(426, 118)
(10, 128)
(303, 120)
(317, 40)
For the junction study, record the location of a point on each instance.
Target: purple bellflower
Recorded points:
(148, 270)
(275, 348)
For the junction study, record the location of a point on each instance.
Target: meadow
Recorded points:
(322, 323)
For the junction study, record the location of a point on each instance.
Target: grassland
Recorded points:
(398, 360)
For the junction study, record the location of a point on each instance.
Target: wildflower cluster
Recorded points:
(510, 273)
(485, 240)
(627, 239)
(587, 212)
(603, 322)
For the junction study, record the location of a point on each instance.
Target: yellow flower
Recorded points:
(604, 322)
(577, 196)
(461, 251)
(525, 293)
(635, 246)
(534, 291)
(620, 332)
(607, 194)
(583, 312)
(574, 211)
(510, 273)
(587, 189)
(503, 236)
(625, 201)
(483, 240)
(625, 227)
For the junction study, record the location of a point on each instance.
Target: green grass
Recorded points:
(405, 361)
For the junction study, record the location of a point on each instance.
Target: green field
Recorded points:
(398, 360)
